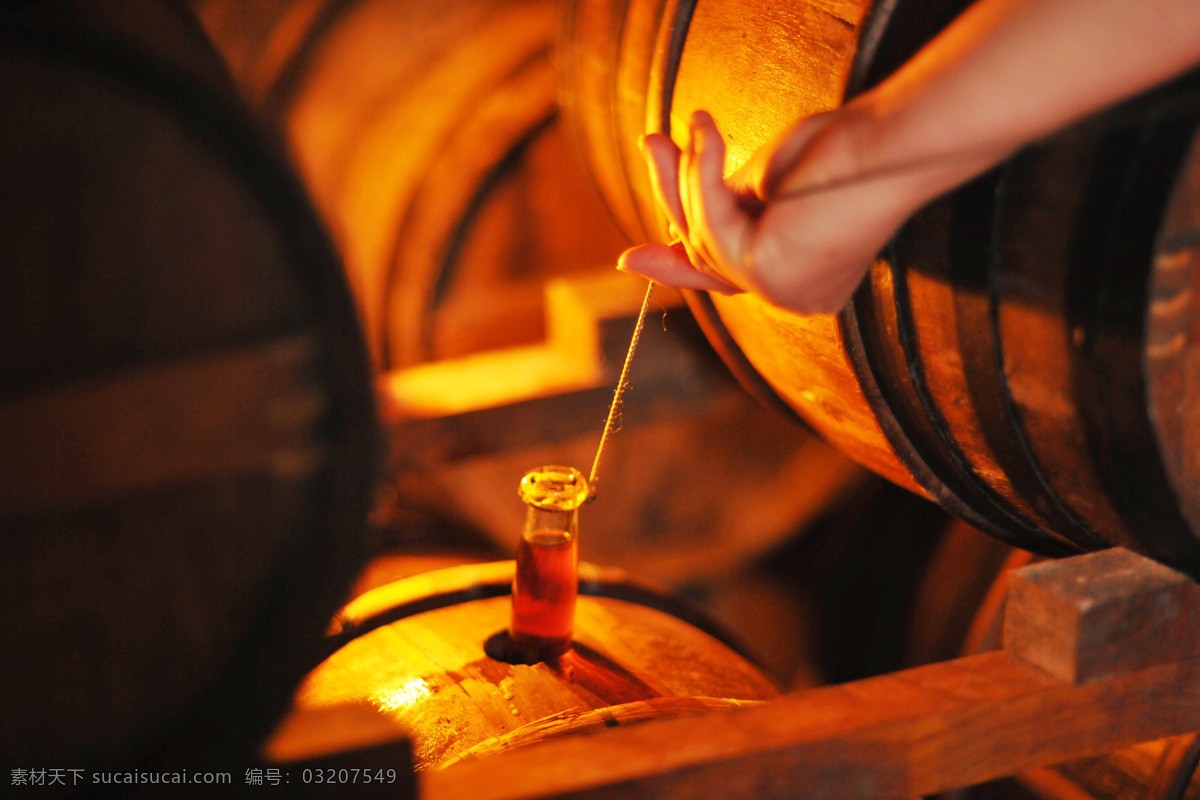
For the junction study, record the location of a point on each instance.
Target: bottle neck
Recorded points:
(543, 522)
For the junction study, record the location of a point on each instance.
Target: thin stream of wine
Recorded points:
(614, 410)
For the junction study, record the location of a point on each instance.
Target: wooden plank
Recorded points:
(1100, 615)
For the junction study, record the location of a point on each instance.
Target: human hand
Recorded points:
(802, 221)
(799, 224)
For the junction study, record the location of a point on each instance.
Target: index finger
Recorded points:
(662, 156)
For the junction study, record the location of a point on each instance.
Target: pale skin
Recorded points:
(1005, 73)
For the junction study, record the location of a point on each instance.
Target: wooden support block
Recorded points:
(491, 401)
(1101, 615)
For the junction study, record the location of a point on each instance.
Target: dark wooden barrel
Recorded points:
(419, 657)
(997, 358)
(187, 435)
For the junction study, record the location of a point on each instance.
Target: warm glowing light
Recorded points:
(406, 695)
(570, 358)
(485, 380)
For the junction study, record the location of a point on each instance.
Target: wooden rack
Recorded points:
(1100, 652)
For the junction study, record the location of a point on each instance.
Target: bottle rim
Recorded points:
(554, 488)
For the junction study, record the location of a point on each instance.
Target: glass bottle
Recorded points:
(547, 577)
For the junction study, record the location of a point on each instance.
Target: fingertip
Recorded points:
(711, 146)
(656, 142)
(636, 257)
(663, 162)
(670, 267)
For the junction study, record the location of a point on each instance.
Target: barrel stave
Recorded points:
(1173, 337)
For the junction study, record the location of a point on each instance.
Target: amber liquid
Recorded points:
(544, 589)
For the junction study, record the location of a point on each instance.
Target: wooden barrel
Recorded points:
(424, 657)
(996, 359)
(187, 435)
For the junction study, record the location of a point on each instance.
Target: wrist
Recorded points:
(897, 147)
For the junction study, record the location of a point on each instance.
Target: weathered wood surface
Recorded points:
(728, 54)
(429, 677)
(915, 732)
(1041, 190)
(938, 347)
(576, 723)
